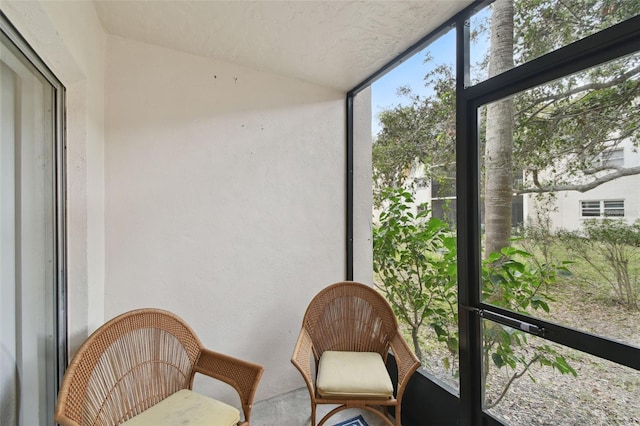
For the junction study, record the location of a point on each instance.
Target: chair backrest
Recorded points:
(126, 366)
(350, 316)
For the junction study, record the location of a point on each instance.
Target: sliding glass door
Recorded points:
(32, 347)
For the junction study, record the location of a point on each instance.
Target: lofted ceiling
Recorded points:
(335, 43)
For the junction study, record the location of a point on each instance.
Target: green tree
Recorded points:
(415, 262)
(556, 136)
(420, 133)
(414, 258)
(575, 119)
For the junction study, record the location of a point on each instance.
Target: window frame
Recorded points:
(607, 160)
(602, 209)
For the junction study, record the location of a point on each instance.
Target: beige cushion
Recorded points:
(186, 407)
(353, 375)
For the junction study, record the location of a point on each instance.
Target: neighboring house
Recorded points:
(616, 199)
(619, 198)
(440, 196)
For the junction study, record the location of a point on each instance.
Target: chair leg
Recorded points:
(313, 414)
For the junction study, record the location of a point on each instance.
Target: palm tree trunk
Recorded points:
(498, 159)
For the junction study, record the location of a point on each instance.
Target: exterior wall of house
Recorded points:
(69, 38)
(225, 199)
(567, 206)
(565, 211)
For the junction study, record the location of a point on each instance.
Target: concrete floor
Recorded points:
(294, 409)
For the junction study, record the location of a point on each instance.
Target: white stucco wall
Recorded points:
(225, 199)
(68, 36)
(567, 212)
(362, 188)
(220, 189)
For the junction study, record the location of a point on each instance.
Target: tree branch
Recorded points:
(591, 86)
(515, 376)
(539, 188)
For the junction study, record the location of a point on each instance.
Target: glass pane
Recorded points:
(443, 184)
(530, 381)
(445, 209)
(27, 318)
(613, 158)
(414, 250)
(576, 257)
(528, 29)
(591, 212)
(590, 208)
(613, 204)
(614, 208)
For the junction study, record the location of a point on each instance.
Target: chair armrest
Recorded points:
(406, 360)
(244, 376)
(301, 358)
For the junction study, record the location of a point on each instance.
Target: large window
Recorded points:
(414, 186)
(609, 159)
(602, 208)
(443, 196)
(564, 258)
(545, 97)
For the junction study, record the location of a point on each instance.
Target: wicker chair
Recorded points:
(344, 320)
(139, 359)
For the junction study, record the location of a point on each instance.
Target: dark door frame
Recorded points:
(617, 41)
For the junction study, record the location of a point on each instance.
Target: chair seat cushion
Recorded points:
(353, 375)
(186, 407)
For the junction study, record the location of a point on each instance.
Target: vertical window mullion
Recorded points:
(468, 225)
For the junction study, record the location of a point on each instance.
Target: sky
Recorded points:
(411, 72)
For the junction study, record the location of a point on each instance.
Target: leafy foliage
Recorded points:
(612, 250)
(415, 260)
(559, 131)
(512, 281)
(542, 26)
(421, 133)
(574, 119)
(414, 257)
